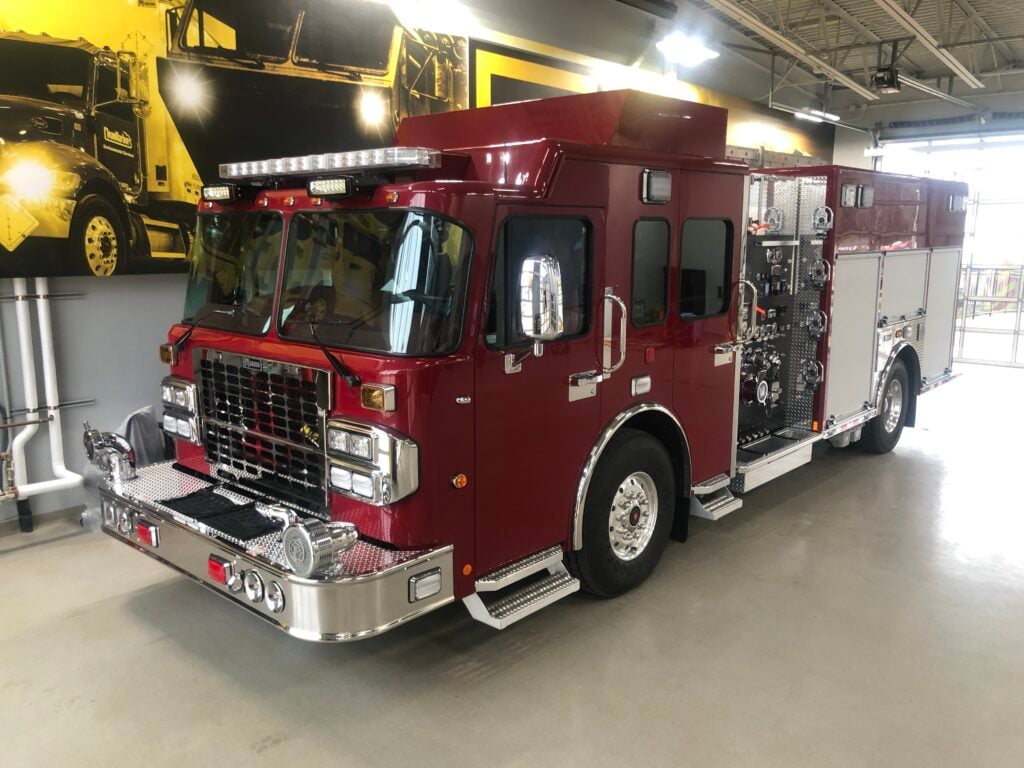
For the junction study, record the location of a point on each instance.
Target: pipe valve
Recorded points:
(111, 452)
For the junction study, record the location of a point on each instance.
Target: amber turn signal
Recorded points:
(378, 397)
(460, 481)
(167, 354)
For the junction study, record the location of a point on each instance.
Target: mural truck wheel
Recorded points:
(98, 238)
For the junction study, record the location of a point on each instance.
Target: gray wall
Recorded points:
(106, 349)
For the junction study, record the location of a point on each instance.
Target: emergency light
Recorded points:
(220, 193)
(336, 187)
(338, 162)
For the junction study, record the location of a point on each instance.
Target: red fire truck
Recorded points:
(508, 357)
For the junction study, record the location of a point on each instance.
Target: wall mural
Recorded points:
(112, 113)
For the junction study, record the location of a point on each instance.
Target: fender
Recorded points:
(894, 353)
(597, 450)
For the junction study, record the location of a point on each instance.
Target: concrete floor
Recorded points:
(861, 611)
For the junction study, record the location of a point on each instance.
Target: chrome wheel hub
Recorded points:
(892, 405)
(633, 516)
(101, 246)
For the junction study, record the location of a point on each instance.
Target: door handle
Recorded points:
(726, 348)
(607, 367)
(752, 325)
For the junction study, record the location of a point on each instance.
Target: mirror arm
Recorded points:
(514, 360)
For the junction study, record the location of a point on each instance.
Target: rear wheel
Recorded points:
(98, 238)
(627, 516)
(883, 432)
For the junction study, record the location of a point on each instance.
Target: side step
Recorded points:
(714, 506)
(518, 600)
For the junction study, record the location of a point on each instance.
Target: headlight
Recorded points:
(179, 393)
(371, 464)
(32, 180)
(180, 417)
(352, 443)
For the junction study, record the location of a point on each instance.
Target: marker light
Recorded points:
(357, 160)
(329, 187)
(372, 108)
(685, 50)
(378, 397)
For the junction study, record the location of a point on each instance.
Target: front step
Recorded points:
(714, 506)
(510, 574)
(517, 601)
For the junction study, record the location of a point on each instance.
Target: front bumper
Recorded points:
(47, 217)
(366, 593)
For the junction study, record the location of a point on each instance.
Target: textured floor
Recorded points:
(861, 611)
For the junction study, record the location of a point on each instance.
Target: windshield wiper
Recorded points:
(339, 368)
(178, 343)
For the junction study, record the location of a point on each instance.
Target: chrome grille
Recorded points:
(265, 421)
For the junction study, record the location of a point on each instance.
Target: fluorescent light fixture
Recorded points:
(685, 50)
(825, 115)
(809, 117)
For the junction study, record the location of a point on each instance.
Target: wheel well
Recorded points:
(663, 429)
(103, 188)
(908, 356)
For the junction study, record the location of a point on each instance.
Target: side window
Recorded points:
(650, 271)
(704, 266)
(568, 240)
(106, 85)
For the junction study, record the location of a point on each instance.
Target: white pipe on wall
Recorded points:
(63, 477)
(28, 375)
(60, 471)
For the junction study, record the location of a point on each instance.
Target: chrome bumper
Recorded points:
(366, 593)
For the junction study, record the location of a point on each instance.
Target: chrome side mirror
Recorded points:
(541, 306)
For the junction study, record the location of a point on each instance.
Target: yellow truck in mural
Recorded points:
(93, 177)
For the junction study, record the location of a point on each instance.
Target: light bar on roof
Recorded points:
(334, 162)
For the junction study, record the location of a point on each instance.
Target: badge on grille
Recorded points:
(252, 363)
(311, 435)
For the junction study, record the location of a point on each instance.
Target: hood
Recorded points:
(27, 119)
(248, 114)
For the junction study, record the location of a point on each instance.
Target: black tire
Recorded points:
(883, 432)
(99, 241)
(631, 457)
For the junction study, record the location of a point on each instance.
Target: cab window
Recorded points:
(565, 238)
(650, 272)
(704, 265)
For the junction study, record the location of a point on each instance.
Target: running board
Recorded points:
(714, 506)
(518, 600)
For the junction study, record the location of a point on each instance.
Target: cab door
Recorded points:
(116, 127)
(704, 322)
(532, 437)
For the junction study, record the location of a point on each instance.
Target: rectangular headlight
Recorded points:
(179, 393)
(170, 424)
(350, 443)
(362, 484)
(341, 478)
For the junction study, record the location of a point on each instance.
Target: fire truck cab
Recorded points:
(509, 356)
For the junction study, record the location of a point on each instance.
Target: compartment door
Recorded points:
(943, 277)
(852, 334)
(904, 274)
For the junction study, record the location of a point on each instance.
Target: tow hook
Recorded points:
(311, 547)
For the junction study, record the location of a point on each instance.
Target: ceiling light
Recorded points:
(825, 115)
(809, 117)
(685, 50)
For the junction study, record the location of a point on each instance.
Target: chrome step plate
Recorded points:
(510, 574)
(520, 603)
(715, 506)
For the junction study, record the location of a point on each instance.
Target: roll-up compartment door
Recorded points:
(852, 334)
(943, 277)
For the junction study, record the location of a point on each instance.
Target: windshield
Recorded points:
(234, 29)
(41, 71)
(346, 33)
(383, 281)
(233, 272)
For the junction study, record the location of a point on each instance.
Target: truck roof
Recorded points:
(44, 39)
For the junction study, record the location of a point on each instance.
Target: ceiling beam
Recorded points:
(983, 26)
(912, 25)
(751, 22)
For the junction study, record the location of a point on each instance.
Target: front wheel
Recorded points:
(883, 432)
(98, 238)
(627, 516)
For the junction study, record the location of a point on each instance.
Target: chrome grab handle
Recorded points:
(752, 324)
(608, 368)
(278, 512)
